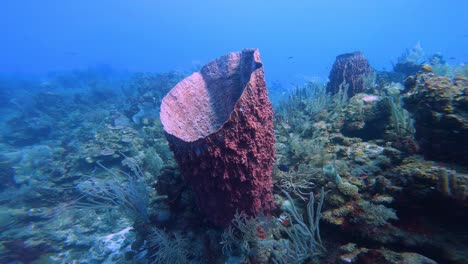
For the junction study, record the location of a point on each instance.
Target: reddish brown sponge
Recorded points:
(349, 68)
(219, 124)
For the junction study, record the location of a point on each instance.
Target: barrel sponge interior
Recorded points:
(200, 104)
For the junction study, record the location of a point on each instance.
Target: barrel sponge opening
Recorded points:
(200, 104)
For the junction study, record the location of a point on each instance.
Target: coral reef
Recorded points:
(440, 109)
(365, 117)
(379, 191)
(52, 179)
(219, 123)
(88, 175)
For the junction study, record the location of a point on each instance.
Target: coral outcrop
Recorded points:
(219, 124)
(352, 254)
(440, 108)
(365, 116)
(352, 69)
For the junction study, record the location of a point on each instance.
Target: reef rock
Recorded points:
(352, 69)
(353, 254)
(440, 109)
(219, 124)
(366, 117)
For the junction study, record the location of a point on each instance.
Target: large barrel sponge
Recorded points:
(219, 124)
(350, 68)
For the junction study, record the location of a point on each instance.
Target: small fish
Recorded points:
(290, 57)
(284, 220)
(452, 58)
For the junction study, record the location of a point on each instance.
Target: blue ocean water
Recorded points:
(88, 176)
(43, 36)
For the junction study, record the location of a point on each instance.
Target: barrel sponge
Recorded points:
(219, 124)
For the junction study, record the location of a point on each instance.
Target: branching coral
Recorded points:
(400, 118)
(414, 55)
(299, 182)
(168, 249)
(245, 233)
(304, 103)
(304, 239)
(132, 197)
(298, 241)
